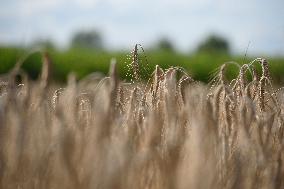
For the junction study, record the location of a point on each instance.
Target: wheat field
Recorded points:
(170, 132)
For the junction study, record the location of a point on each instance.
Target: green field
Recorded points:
(83, 62)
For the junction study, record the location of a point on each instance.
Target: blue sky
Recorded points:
(123, 23)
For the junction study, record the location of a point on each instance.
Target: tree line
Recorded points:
(93, 40)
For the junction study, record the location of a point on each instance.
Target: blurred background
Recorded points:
(83, 35)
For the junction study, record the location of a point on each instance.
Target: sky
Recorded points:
(255, 26)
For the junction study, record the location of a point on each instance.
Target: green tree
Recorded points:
(87, 40)
(165, 45)
(43, 44)
(214, 44)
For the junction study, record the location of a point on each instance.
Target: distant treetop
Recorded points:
(87, 40)
(214, 44)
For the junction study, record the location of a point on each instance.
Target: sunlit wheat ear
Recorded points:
(227, 117)
(143, 108)
(255, 75)
(275, 93)
(249, 90)
(182, 83)
(264, 80)
(217, 80)
(214, 76)
(222, 74)
(55, 97)
(46, 70)
(240, 87)
(158, 78)
(132, 105)
(216, 100)
(121, 99)
(261, 91)
(170, 74)
(255, 80)
(3, 87)
(84, 109)
(114, 82)
(135, 63)
(265, 69)
(242, 79)
(170, 84)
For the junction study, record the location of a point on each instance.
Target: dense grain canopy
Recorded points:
(169, 132)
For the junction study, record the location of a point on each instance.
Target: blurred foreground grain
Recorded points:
(171, 132)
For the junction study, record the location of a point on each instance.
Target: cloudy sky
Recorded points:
(124, 23)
